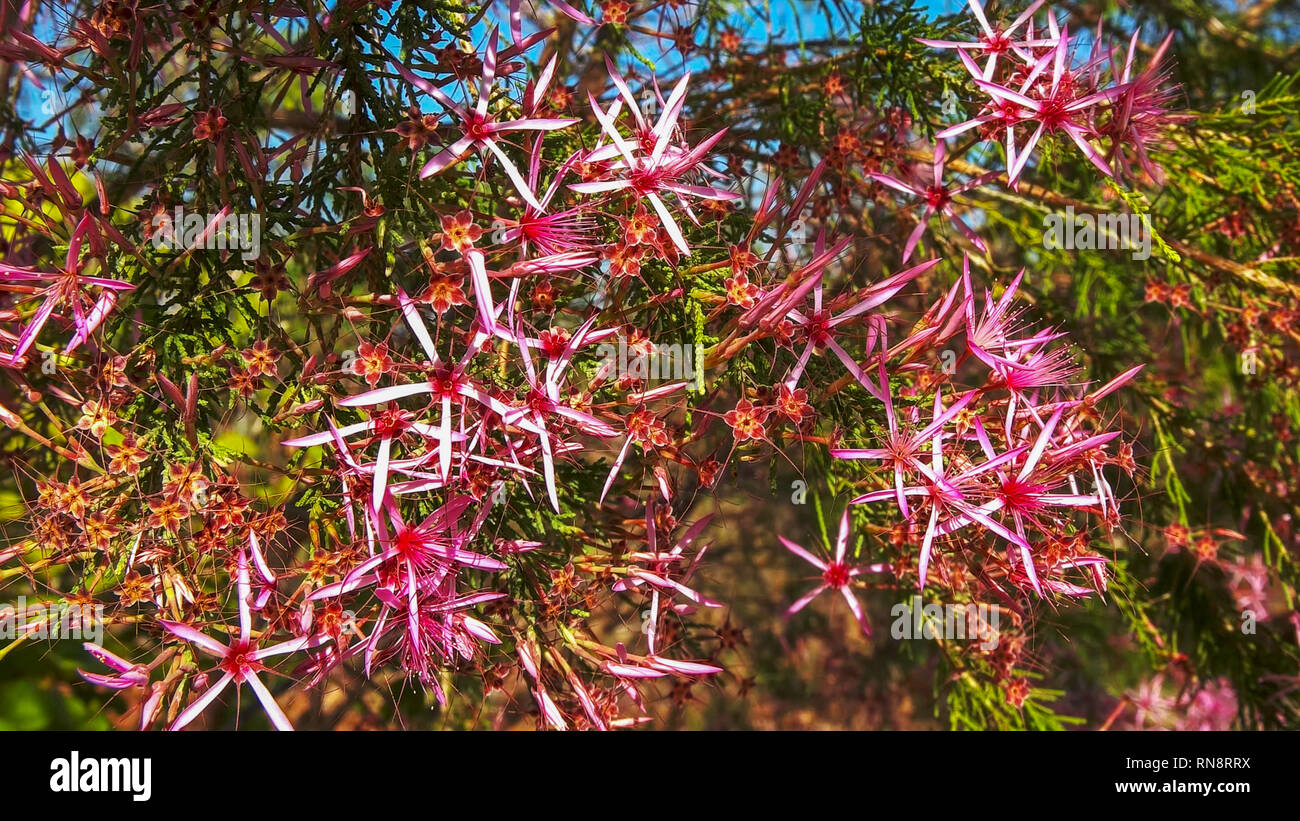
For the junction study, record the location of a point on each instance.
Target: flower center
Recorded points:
(936, 196)
(239, 662)
(391, 424)
(645, 181)
(540, 403)
(819, 328)
(478, 126)
(836, 575)
(445, 384)
(1020, 496)
(998, 43)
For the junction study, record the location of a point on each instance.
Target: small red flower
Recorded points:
(96, 417)
(209, 124)
(743, 260)
(740, 291)
(615, 11)
(640, 228)
(459, 233)
(708, 472)
(746, 420)
(260, 359)
(372, 362)
(443, 292)
(834, 84)
(416, 129)
(554, 341)
(792, 404)
(624, 260)
(1177, 535)
(645, 429)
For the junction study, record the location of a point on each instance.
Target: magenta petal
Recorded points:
(803, 554)
(201, 703)
(382, 395)
(188, 633)
(108, 659)
(278, 718)
(688, 668)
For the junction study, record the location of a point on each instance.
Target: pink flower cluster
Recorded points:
(441, 429)
(1037, 86)
(1000, 469)
(996, 457)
